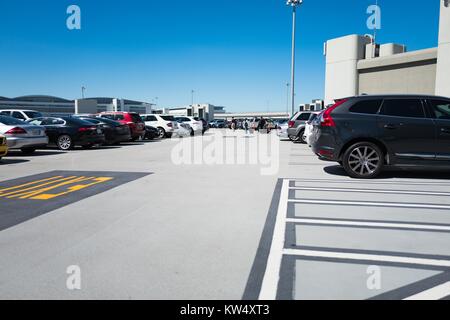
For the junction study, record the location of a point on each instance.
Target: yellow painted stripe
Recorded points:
(36, 186)
(29, 184)
(30, 194)
(72, 189)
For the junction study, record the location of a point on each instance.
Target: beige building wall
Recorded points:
(405, 73)
(443, 73)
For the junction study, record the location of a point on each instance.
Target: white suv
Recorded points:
(166, 125)
(23, 115)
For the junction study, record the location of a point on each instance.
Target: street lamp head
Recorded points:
(294, 3)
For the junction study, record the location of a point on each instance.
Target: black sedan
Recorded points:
(67, 132)
(114, 131)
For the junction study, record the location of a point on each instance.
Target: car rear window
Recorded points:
(9, 121)
(135, 117)
(408, 108)
(366, 107)
(33, 114)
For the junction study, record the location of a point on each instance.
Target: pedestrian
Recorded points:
(246, 126)
(262, 124)
(233, 124)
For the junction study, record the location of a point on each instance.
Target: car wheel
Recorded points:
(192, 133)
(294, 138)
(28, 150)
(64, 142)
(161, 133)
(363, 160)
(302, 137)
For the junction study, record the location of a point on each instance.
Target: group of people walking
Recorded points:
(245, 124)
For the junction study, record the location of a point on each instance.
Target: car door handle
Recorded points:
(392, 126)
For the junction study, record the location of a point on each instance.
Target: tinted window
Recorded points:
(135, 117)
(33, 114)
(304, 117)
(149, 118)
(118, 117)
(9, 121)
(77, 122)
(408, 108)
(37, 122)
(18, 115)
(5, 113)
(366, 107)
(168, 118)
(441, 109)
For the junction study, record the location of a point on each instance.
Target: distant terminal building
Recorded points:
(55, 106)
(315, 105)
(357, 65)
(251, 115)
(205, 111)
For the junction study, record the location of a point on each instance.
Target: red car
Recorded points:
(132, 119)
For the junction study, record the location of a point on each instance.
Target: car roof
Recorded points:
(386, 96)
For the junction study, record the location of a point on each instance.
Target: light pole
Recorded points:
(192, 102)
(294, 4)
(83, 89)
(287, 97)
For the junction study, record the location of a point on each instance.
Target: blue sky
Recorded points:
(233, 53)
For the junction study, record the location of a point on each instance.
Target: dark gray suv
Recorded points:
(366, 133)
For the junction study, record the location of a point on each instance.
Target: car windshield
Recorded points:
(33, 114)
(9, 121)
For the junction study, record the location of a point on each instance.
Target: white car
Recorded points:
(164, 124)
(182, 130)
(282, 128)
(22, 135)
(23, 115)
(309, 127)
(196, 125)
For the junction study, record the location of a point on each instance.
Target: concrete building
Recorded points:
(356, 65)
(55, 106)
(250, 115)
(204, 111)
(315, 105)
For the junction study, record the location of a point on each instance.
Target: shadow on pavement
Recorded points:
(392, 173)
(11, 161)
(38, 153)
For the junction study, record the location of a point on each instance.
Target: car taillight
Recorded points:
(84, 129)
(16, 130)
(327, 119)
(170, 124)
(291, 124)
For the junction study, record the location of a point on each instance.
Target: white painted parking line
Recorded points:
(435, 293)
(373, 204)
(371, 224)
(422, 193)
(272, 274)
(366, 257)
(439, 183)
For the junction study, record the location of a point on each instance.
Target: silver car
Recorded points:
(21, 135)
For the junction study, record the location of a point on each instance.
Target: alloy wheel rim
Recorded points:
(64, 142)
(161, 133)
(364, 160)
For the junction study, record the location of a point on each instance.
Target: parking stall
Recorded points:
(355, 239)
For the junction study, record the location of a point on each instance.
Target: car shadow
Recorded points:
(37, 153)
(391, 173)
(6, 161)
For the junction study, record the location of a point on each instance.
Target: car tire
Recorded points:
(192, 132)
(303, 137)
(363, 160)
(294, 138)
(161, 133)
(28, 151)
(64, 142)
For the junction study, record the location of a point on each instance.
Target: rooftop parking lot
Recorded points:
(139, 226)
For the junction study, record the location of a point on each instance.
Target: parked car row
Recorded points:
(28, 130)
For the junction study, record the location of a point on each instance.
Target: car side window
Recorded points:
(5, 113)
(37, 122)
(304, 117)
(407, 108)
(119, 117)
(18, 115)
(366, 107)
(150, 118)
(441, 109)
